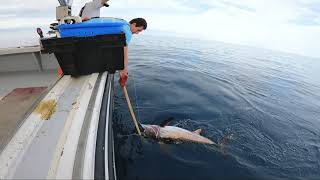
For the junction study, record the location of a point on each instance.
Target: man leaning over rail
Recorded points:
(135, 26)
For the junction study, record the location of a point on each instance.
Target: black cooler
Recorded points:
(89, 47)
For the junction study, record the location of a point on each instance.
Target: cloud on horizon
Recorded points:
(286, 25)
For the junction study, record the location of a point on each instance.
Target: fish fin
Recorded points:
(166, 122)
(198, 131)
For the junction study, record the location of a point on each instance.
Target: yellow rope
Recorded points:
(131, 110)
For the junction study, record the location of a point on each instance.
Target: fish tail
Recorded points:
(223, 141)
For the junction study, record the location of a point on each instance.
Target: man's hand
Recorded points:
(123, 77)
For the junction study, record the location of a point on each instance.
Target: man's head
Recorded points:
(137, 25)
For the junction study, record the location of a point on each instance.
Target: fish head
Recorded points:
(152, 131)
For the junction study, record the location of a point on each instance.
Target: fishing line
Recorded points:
(137, 124)
(136, 101)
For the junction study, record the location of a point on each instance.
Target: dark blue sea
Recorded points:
(268, 100)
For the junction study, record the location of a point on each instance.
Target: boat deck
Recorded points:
(52, 127)
(25, 75)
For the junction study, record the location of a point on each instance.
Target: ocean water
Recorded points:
(269, 100)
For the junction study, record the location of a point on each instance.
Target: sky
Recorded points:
(284, 25)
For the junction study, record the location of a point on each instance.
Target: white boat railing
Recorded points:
(27, 58)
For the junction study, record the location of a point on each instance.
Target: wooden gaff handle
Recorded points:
(130, 109)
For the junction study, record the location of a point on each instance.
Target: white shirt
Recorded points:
(92, 9)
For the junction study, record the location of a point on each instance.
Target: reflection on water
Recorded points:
(270, 101)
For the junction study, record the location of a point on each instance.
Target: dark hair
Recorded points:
(139, 22)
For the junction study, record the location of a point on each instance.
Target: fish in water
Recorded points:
(174, 133)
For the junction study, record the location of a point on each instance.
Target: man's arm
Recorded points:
(124, 73)
(99, 3)
(103, 1)
(126, 58)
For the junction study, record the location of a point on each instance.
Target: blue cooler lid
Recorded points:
(93, 27)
